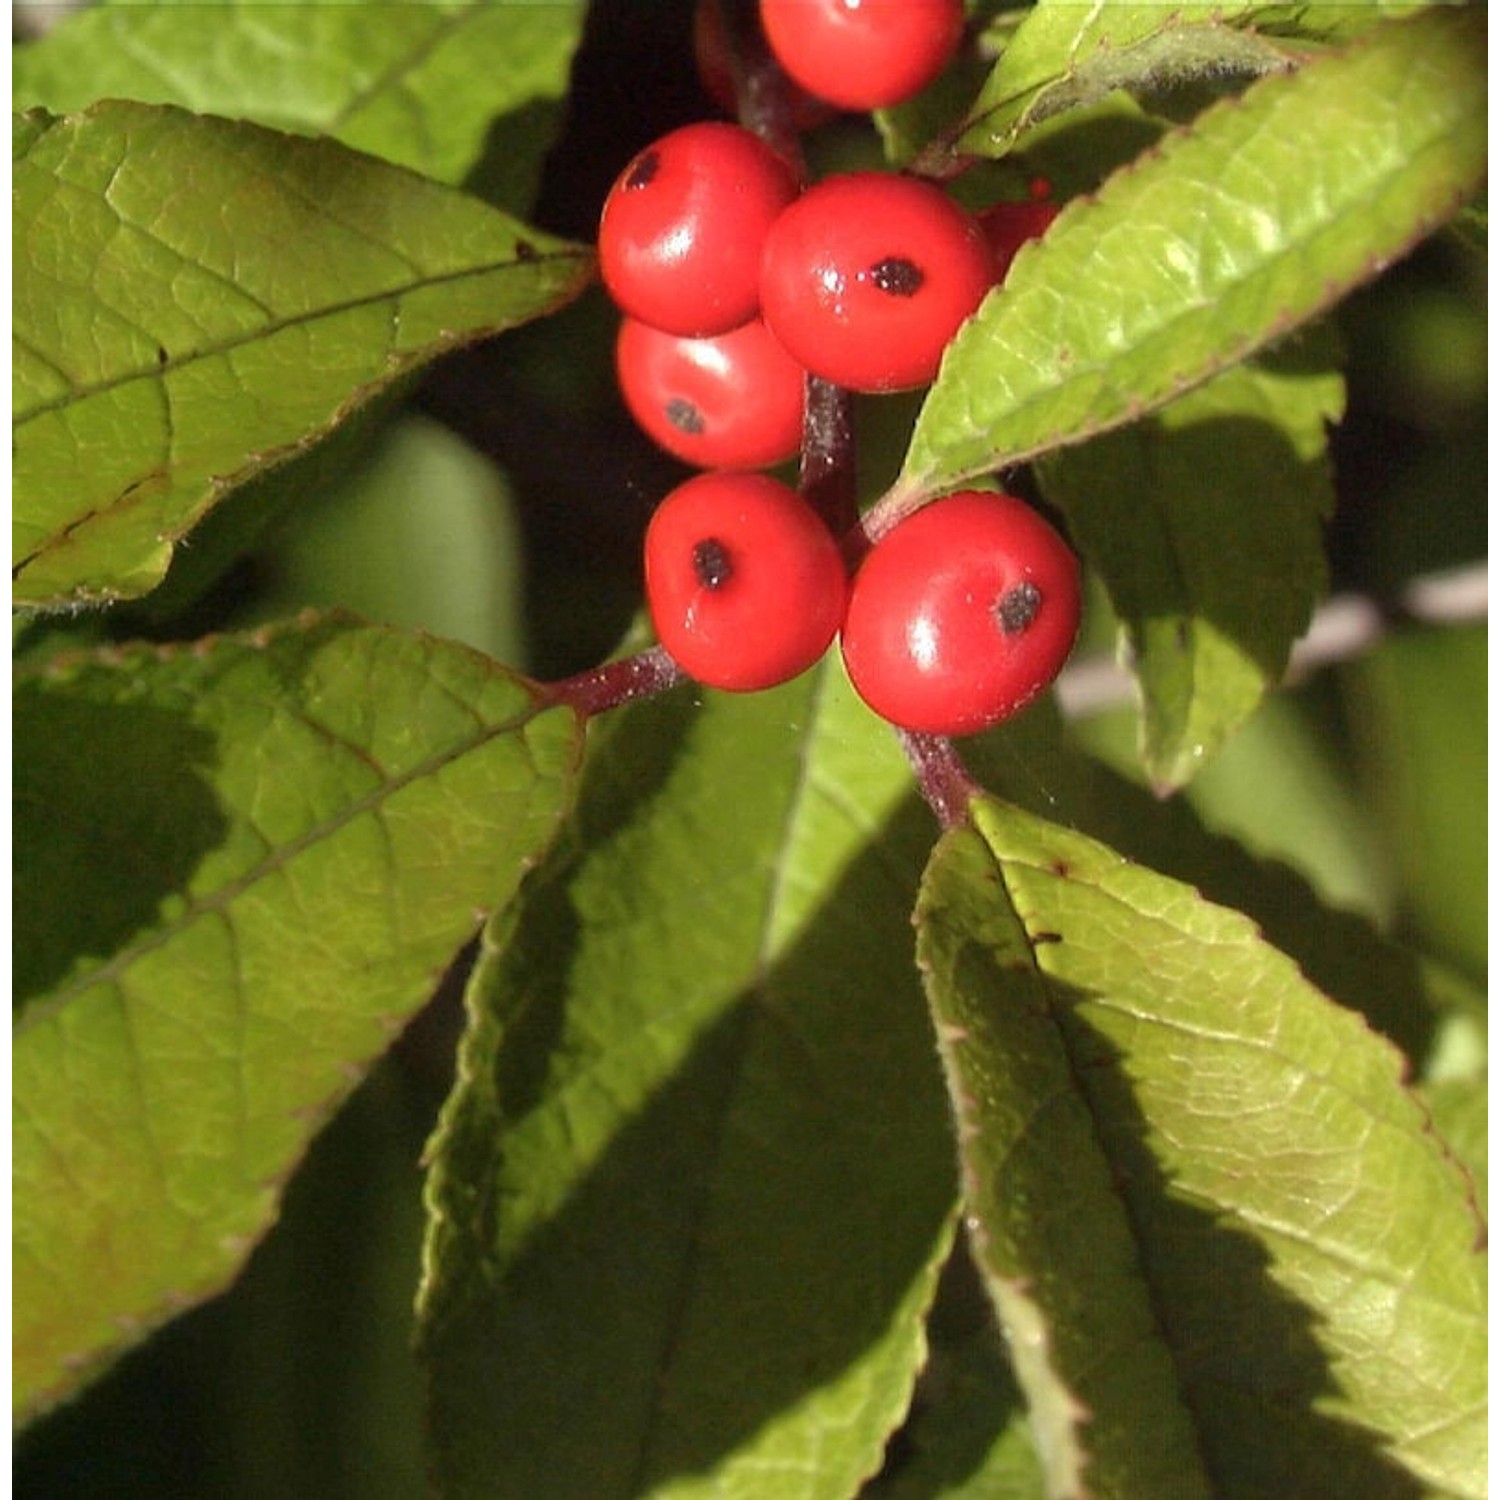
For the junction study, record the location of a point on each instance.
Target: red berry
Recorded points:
(744, 581)
(1008, 226)
(867, 276)
(863, 54)
(716, 70)
(961, 614)
(681, 234)
(729, 402)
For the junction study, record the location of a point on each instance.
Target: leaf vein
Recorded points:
(273, 863)
(311, 317)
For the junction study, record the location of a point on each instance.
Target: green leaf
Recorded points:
(967, 1438)
(419, 85)
(1204, 523)
(1065, 56)
(242, 533)
(1460, 1110)
(1217, 243)
(450, 566)
(1060, 1265)
(1417, 708)
(1230, 1255)
(196, 299)
(1433, 1016)
(1283, 789)
(692, 1193)
(241, 867)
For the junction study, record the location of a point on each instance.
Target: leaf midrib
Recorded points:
(221, 347)
(767, 953)
(448, 25)
(1334, 1251)
(47, 1008)
(1068, 1379)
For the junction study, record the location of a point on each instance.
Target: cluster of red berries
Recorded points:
(737, 284)
(954, 621)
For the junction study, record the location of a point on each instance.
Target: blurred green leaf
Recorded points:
(318, 1389)
(196, 299)
(1218, 242)
(241, 867)
(1417, 708)
(1265, 1276)
(299, 1380)
(209, 582)
(418, 531)
(1461, 1049)
(692, 1194)
(1205, 522)
(419, 85)
(1280, 791)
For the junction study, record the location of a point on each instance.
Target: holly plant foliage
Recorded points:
(1088, 1106)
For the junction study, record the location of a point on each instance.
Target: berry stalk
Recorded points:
(766, 102)
(614, 683)
(944, 780)
(827, 478)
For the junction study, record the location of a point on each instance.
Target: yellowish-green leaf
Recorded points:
(196, 299)
(1218, 242)
(692, 1192)
(1059, 56)
(241, 867)
(1064, 55)
(1230, 1253)
(1205, 523)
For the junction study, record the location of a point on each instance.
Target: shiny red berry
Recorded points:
(716, 69)
(863, 54)
(961, 614)
(683, 226)
(867, 276)
(745, 583)
(729, 402)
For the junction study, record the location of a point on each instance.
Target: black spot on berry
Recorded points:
(684, 416)
(711, 563)
(897, 277)
(644, 169)
(1016, 608)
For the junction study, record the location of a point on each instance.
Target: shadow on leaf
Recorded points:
(114, 810)
(1252, 1373)
(708, 1245)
